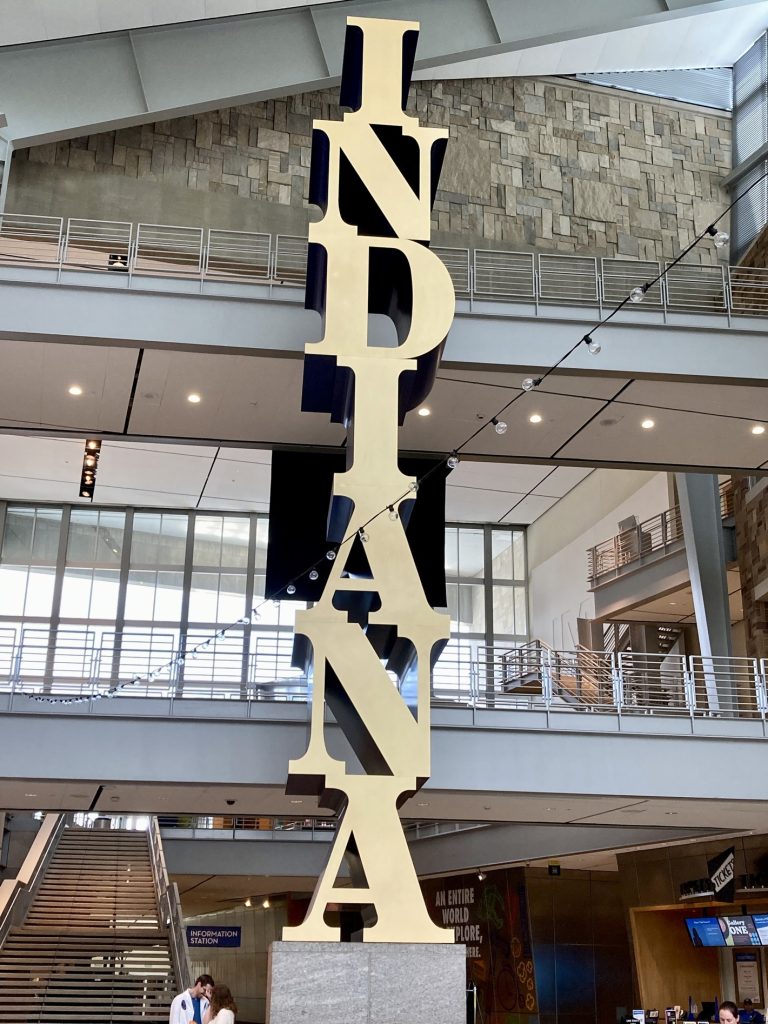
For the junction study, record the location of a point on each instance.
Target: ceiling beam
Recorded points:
(152, 74)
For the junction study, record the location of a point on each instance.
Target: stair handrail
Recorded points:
(169, 903)
(16, 894)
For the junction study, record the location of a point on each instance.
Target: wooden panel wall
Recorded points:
(669, 967)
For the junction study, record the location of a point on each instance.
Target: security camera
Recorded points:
(230, 803)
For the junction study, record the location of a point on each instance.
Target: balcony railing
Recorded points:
(220, 255)
(636, 544)
(530, 677)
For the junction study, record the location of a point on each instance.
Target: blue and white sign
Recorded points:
(213, 935)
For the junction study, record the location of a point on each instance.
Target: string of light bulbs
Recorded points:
(451, 461)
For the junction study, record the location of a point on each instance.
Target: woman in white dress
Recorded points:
(222, 1009)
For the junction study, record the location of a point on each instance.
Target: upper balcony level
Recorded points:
(183, 297)
(212, 256)
(638, 544)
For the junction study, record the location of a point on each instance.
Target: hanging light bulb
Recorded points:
(394, 515)
(499, 426)
(413, 486)
(363, 536)
(593, 346)
(290, 589)
(720, 238)
(529, 383)
(314, 574)
(330, 555)
(638, 294)
(453, 461)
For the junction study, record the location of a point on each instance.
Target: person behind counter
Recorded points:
(749, 1015)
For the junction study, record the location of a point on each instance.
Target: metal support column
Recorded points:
(699, 498)
(6, 155)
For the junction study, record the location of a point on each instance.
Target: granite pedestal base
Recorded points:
(366, 983)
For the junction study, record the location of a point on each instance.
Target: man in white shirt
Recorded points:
(190, 1005)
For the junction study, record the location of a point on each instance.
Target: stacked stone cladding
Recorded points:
(751, 520)
(542, 164)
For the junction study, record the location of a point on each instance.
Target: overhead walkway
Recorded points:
(173, 287)
(280, 847)
(591, 731)
(647, 559)
(139, 670)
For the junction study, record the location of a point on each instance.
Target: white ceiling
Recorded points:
(237, 479)
(160, 449)
(676, 607)
(710, 39)
(26, 21)
(713, 39)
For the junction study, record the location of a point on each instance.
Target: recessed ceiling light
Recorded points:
(30, 794)
(424, 411)
(194, 398)
(673, 602)
(534, 418)
(297, 801)
(75, 390)
(648, 424)
(758, 429)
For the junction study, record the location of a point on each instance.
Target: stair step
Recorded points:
(92, 948)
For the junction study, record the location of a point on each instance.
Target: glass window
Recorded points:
(156, 576)
(92, 575)
(159, 539)
(508, 555)
(471, 553)
(217, 597)
(262, 532)
(28, 560)
(90, 593)
(509, 611)
(221, 541)
(220, 549)
(152, 595)
(466, 605)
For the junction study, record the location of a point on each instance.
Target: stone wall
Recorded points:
(531, 164)
(751, 517)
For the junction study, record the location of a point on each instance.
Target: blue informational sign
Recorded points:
(213, 935)
(761, 923)
(705, 931)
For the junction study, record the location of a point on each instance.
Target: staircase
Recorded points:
(91, 948)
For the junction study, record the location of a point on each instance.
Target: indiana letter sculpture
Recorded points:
(374, 175)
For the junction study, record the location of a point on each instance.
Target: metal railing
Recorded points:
(17, 894)
(637, 543)
(244, 825)
(169, 907)
(218, 254)
(531, 676)
(630, 683)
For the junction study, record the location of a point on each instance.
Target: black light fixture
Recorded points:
(90, 465)
(117, 261)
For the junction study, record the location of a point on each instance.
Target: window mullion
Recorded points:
(186, 587)
(58, 584)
